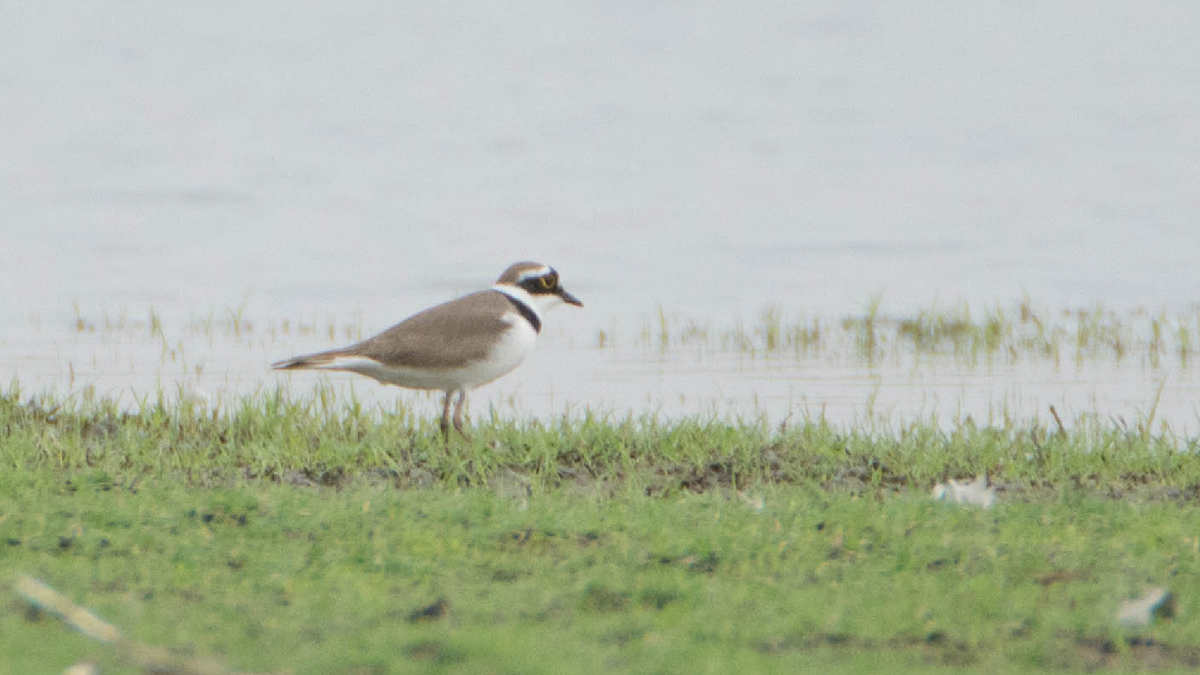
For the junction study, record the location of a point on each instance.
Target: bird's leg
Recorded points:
(458, 408)
(445, 421)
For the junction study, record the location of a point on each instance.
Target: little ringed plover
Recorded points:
(458, 345)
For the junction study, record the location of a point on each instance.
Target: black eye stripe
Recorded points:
(543, 284)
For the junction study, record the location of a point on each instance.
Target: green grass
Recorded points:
(327, 440)
(1017, 333)
(317, 536)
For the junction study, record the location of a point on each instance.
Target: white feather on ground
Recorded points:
(976, 493)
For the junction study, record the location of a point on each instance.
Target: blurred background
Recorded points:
(303, 174)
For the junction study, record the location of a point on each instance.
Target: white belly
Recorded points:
(514, 345)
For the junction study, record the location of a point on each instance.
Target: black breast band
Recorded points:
(526, 312)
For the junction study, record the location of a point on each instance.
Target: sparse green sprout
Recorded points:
(807, 337)
(664, 329)
(1183, 343)
(771, 328)
(864, 331)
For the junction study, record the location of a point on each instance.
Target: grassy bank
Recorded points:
(323, 441)
(317, 537)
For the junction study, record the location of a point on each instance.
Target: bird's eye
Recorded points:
(547, 281)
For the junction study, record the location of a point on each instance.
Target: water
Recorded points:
(356, 162)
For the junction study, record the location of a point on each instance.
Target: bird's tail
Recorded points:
(318, 360)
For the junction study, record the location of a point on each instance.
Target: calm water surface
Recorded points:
(356, 162)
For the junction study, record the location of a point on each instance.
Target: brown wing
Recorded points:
(445, 336)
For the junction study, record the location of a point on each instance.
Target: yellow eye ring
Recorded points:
(547, 282)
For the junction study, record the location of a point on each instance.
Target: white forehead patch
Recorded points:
(533, 273)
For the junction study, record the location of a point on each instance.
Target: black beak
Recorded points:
(568, 298)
